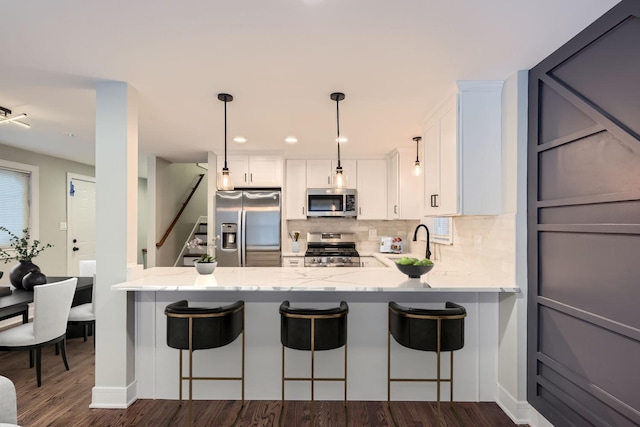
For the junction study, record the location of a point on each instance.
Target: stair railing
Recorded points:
(175, 220)
(201, 220)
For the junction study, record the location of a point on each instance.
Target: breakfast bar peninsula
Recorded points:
(367, 292)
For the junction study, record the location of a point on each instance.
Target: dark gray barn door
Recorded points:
(584, 226)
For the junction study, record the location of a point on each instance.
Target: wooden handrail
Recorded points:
(175, 220)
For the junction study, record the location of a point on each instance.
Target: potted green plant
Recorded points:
(25, 274)
(206, 264)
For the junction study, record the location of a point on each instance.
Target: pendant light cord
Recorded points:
(338, 128)
(417, 139)
(225, 134)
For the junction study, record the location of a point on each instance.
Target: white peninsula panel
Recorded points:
(366, 290)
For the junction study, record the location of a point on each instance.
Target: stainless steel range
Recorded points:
(331, 250)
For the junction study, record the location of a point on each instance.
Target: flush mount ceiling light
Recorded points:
(416, 170)
(224, 182)
(240, 139)
(291, 140)
(338, 180)
(4, 118)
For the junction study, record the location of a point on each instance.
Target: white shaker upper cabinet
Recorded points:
(295, 190)
(320, 173)
(403, 187)
(372, 189)
(463, 153)
(253, 170)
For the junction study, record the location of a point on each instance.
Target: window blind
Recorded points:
(14, 202)
(440, 229)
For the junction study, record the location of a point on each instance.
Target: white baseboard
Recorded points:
(520, 412)
(537, 420)
(113, 397)
(517, 410)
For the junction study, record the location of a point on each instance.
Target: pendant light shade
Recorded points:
(224, 180)
(416, 170)
(338, 179)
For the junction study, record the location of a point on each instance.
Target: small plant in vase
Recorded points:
(205, 264)
(25, 274)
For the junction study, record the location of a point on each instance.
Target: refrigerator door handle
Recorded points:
(240, 238)
(243, 262)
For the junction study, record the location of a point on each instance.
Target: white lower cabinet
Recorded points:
(369, 261)
(292, 261)
(372, 189)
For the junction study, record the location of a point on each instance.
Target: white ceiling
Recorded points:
(280, 59)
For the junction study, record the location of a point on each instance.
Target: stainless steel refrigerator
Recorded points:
(248, 223)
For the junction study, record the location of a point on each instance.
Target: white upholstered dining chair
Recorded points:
(51, 305)
(8, 403)
(84, 314)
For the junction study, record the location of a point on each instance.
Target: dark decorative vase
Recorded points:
(20, 270)
(32, 279)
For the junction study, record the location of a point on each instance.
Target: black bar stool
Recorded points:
(427, 330)
(313, 330)
(199, 328)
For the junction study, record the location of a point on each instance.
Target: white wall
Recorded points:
(512, 356)
(142, 218)
(173, 183)
(53, 205)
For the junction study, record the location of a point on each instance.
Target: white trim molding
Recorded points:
(113, 397)
(520, 411)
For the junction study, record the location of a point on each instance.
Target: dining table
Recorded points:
(17, 303)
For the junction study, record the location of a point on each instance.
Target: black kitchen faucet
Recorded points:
(415, 238)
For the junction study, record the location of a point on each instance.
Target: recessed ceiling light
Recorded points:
(342, 139)
(291, 140)
(240, 139)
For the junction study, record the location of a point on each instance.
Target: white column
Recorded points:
(116, 241)
(152, 194)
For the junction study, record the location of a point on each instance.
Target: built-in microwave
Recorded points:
(331, 202)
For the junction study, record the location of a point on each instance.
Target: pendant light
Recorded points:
(416, 170)
(338, 179)
(225, 182)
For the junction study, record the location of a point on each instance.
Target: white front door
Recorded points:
(81, 220)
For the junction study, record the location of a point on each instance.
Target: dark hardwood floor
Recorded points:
(63, 400)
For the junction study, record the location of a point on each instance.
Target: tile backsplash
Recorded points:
(364, 243)
(482, 243)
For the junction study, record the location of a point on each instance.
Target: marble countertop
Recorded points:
(369, 279)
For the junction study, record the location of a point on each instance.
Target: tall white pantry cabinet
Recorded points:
(463, 152)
